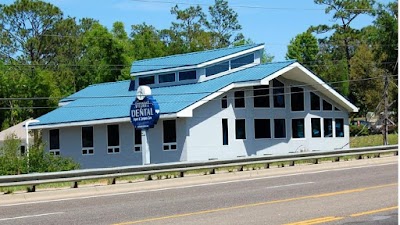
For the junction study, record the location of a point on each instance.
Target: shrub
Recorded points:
(356, 130)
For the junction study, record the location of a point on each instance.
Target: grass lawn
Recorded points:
(372, 140)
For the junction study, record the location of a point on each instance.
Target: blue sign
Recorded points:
(144, 113)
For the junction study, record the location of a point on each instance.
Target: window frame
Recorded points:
(181, 76)
(141, 77)
(169, 146)
(312, 127)
(225, 131)
(234, 65)
(54, 151)
(240, 98)
(237, 131)
(323, 105)
(213, 71)
(113, 149)
(285, 130)
(296, 94)
(224, 102)
(293, 130)
(258, 93)
(137, 147)
(324, 124)
(258, 123)
(166, 74)
(311, 102)
(342, 127)
(276, 93)
(87, 150)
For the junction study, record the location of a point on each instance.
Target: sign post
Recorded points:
(144, 114)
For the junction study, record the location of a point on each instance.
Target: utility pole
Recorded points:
(385, 112)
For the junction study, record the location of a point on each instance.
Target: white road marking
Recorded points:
(197, 185)
(30, 216)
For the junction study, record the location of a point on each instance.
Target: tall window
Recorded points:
(54, 136)
(261, 96)
(327, 127)
(279, 128)
(87, 141)
(113, 138)
(219, 68)
(339, 127)
(240, 128)
(262, 128)
(279, 94)
(146, 80)
(315, 127)
(241, 61)
(225, 140)
(315, 101)
(224, 102)
(187, 75)
(138, 140)
(169, 135)
(297, 99)
(239, 99)
(326, 105)
(165, 78)
(298, 128)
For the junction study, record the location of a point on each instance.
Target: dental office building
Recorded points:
(216, 104)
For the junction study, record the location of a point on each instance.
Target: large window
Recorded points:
(224, 102)
(239, 99)
(298, 128)
(326, 106)
(240, 128)
(225, 139)
(113, 139)
(315, 127)
(138, 140)
(169, 135)
(339, 127)
(261, 96)
(219, 68)
(165, 78)
(315, 101)
(187, 75)
(54, 136)
(146, 80)
(297, 99)
(87, 141)
(262, 128)
(279, 128)
(241, 61)
(327, 127)
(279, 94)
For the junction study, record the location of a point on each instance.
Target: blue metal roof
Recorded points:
(113, 100)
(189, 59)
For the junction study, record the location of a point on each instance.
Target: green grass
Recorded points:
(372, 140)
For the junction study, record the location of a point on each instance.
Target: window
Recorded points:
(138, 140)
(279, 94)
(239, 99)
(298, 128)
(244, 60)
(87, 141)
(297, 99)
(225, 140)
(315, 127)
(262, 128)
(326, 105)
(261, 96)
(224, 102)
(146, 80)
(54, 136)
(187, 75)
(169, 135)
(22, 150)
(339, 127)
(218, 68)
(337, 109)
(315, 102)
(327, 127)
(240, 128)
(280, 128)
(113, 139)
(165, 78)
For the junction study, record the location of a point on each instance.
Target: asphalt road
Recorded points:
(321, 194)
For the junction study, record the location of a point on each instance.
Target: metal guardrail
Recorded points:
(181, 167)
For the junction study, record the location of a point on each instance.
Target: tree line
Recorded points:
(45, 56)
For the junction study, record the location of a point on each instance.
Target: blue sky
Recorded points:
(273, 22)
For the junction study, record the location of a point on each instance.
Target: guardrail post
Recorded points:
(316, 161)
(147, 177)
(241, 168)
(396, 153)
(359, 157)
(181, 174)
(291, 163)
(31, 188)
(112, 180)
(337, 159)
(266, 166)
(74, 184)
(212, 171)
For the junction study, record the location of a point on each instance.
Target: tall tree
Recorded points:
(224, 24)
(146, 42)
(304, 48)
